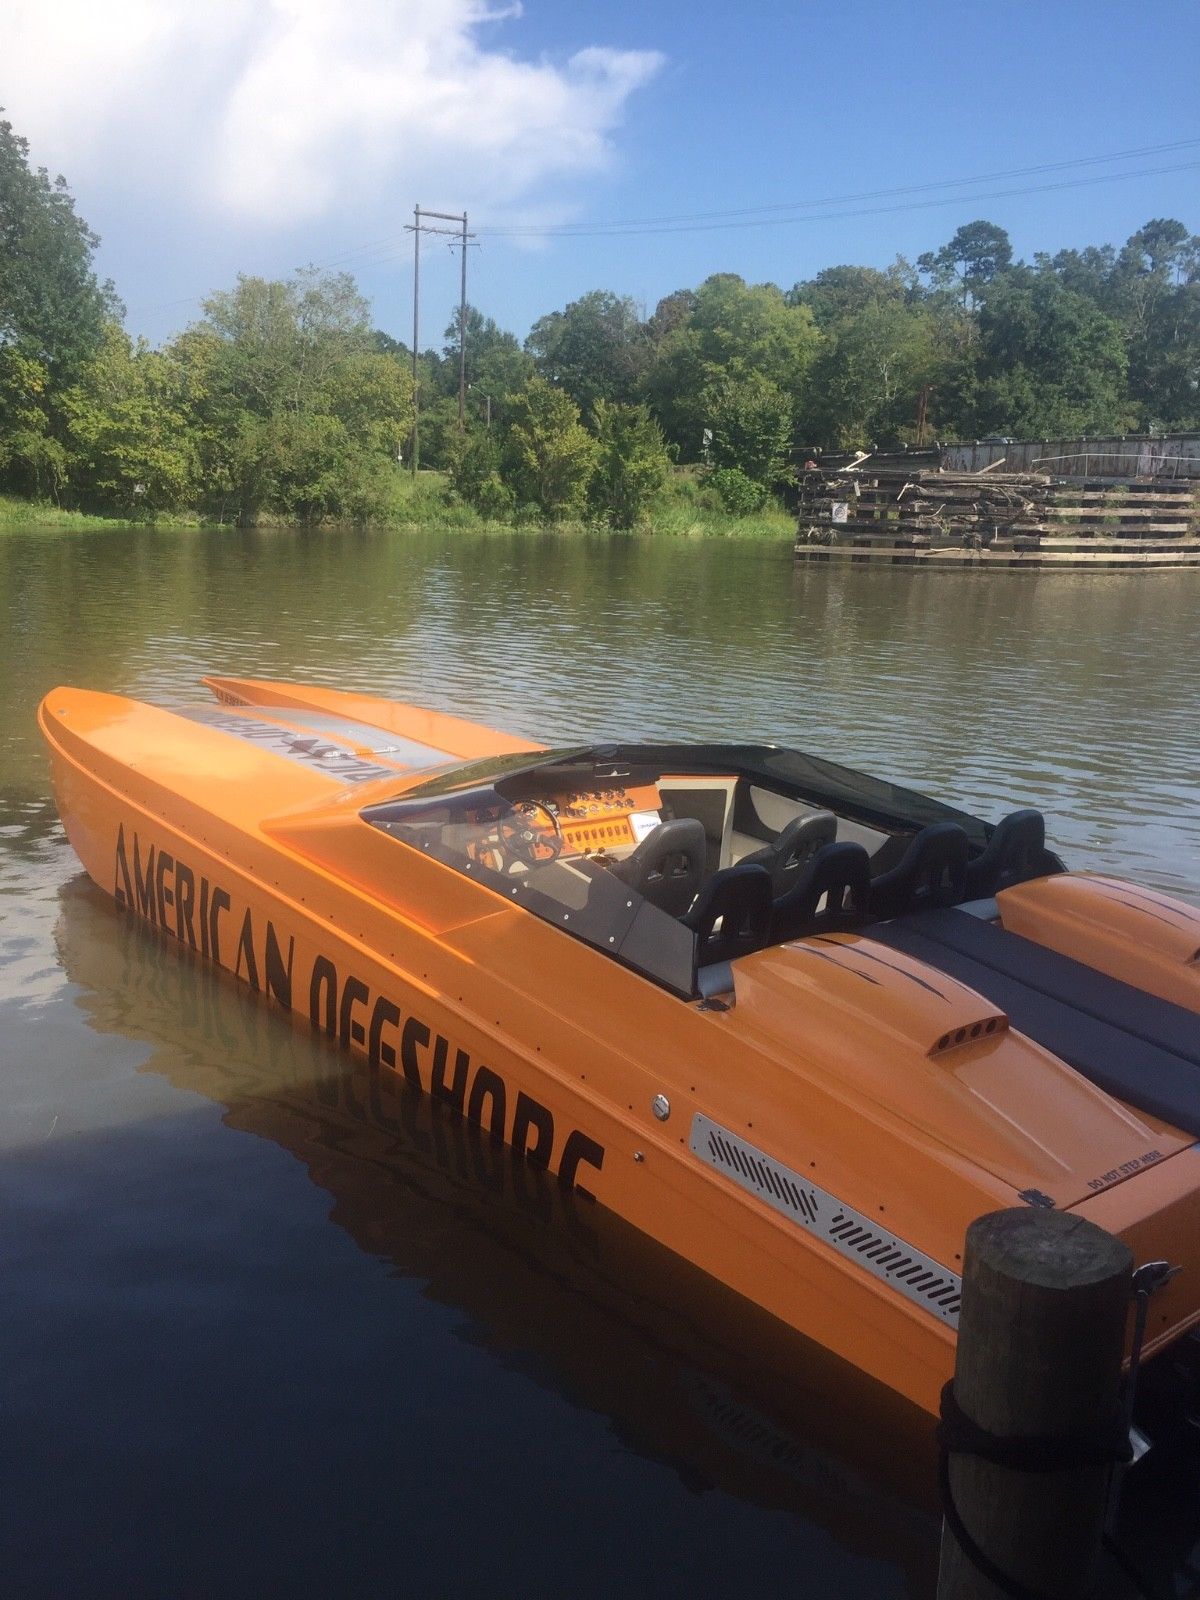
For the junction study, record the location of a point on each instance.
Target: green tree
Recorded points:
(371, 396)
(32, 461)
(52, 317)
(500, 372)
(738, 494)
(283, 339)
(839, 293)
(475, 473)
(52, 308)
(751, 427)
(440, 432)
(310, 478)
(596, 349)
(978, 253)
(548, 455)
(631, 464)
(672, 311)
(497, 367)
(1089, 272)
(130, 446)
(1153, 290)
(1051, 363)
(294, 405)
(734, 330)
(883, 343)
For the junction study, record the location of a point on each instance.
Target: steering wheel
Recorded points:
(530, 833)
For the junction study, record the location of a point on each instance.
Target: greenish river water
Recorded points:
(258, 1341)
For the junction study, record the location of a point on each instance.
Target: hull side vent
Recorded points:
(911, 1273)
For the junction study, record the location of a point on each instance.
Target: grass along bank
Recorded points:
(684, 510)
(29, 516)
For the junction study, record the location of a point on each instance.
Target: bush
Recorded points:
(549, 456)
(739, 495)
(441, 435)
(474, 468)
(751, 427)
(631, 464)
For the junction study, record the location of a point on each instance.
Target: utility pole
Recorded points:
(416, 333)
(462, 335)
(460, 233)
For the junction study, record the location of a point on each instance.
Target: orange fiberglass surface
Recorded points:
(797, 1024)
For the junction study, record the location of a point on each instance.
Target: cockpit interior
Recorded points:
(678, 859)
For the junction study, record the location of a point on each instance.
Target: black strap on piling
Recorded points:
(1103, 1444)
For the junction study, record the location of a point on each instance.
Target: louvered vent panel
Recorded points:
(861, 1239)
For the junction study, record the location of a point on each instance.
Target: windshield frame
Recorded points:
(603, 912)
(851, 793)
(613, 918)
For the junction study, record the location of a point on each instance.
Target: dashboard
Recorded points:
(606, 819)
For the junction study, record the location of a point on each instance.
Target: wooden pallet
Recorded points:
(928, 510)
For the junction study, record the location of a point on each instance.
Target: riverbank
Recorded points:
(683, 512)
(29, 516)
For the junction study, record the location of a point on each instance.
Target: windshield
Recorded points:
(616, 844)
(554, 865)
(488, 769)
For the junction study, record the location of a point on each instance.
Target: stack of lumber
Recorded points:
(873, 504)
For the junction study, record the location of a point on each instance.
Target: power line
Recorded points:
(842, 199)
(632, 230)
(381, 251)
(745, 220)
(835, 216)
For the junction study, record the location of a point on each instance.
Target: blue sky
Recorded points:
(259, 135)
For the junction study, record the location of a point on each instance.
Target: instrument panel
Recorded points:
(606, 819)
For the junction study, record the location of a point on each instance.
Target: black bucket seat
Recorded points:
(786, 857)
(839, 874)
(667, 868)
(1015, 852)
(732, 915)
(932, 872)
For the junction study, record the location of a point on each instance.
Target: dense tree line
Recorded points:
(283, 400)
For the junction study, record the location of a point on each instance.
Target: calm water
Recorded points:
(259, 1337)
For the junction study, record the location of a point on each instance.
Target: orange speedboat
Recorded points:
(797, 1024)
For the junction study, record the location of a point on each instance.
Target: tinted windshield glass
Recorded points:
(488, 769)
(618, 844)
(519, 850)
(875, 801)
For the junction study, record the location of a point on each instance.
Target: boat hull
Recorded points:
(598, 1077)
(298, 956)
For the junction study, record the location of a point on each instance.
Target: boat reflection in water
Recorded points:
(687, 1373)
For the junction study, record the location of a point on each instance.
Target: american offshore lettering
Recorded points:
(168, 894)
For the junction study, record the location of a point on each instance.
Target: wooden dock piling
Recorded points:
(1041, 1338)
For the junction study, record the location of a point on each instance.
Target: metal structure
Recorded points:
(1128, 456)
(915, 1275)
(1116, 457)
(417, 228)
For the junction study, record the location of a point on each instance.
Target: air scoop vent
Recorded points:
(984, 1028)
(914, 1275)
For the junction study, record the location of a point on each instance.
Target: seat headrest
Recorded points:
(739, 899)
(839, 874)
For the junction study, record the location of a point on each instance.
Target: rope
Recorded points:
(1104, 1444)
(979, 1559)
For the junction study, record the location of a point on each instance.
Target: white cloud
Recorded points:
(286, 111)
